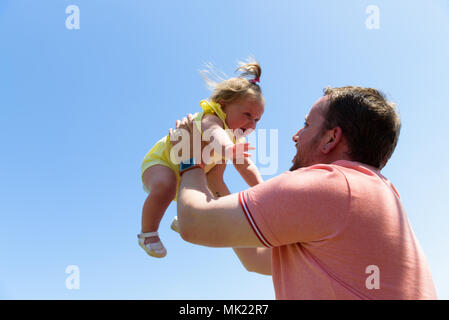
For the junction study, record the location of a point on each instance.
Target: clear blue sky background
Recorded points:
(80, 108)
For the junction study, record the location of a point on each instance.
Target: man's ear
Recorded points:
(332, 138)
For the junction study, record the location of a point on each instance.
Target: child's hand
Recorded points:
(237, 151)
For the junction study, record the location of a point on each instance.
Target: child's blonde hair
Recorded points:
(226, 91)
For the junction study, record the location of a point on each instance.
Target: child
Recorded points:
(236, 103)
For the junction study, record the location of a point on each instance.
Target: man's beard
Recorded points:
(299, 160)
(296, 165)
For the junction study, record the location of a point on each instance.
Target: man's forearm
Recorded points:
(202, 218)
(253, 259)
(194, 180)
(193, 193)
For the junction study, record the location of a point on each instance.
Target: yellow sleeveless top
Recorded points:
(160, 152)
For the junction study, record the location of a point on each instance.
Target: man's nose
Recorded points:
(296, 136)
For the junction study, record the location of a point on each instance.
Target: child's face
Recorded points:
(244, 113)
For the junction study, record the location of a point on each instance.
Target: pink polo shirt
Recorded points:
(338, 231)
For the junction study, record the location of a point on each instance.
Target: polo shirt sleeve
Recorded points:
(309, 204)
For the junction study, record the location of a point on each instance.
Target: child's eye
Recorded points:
(305, 124)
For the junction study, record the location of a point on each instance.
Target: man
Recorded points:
(330, 228)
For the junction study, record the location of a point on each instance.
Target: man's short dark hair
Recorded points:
(370, 123)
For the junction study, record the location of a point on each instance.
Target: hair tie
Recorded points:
(255, 80)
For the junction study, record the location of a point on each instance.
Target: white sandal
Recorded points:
(174, 224)
(154, 249)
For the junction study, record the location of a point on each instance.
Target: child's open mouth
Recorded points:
(246, 132)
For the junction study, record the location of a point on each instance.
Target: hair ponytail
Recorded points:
(229, 90)
(252, 70)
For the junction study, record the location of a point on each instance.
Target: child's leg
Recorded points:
(162, 183)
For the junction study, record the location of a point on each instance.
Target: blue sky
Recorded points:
(80, 108)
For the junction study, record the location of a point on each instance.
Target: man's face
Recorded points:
(307, 140)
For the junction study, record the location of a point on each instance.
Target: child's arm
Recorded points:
(249, 172)
(212, 128)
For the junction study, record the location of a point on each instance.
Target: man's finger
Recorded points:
(170, 134)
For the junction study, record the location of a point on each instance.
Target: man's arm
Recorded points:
(253, 259)
(208, 221)
(205, 220)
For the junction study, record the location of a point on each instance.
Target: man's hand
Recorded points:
(190, 144)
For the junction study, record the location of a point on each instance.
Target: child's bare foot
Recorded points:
(152, 245)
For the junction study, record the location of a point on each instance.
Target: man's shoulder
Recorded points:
(319, 169)
(310, 179)
(345, 168)
(334, 178)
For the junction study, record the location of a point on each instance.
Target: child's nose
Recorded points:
(252, 124)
